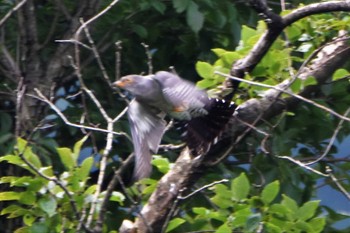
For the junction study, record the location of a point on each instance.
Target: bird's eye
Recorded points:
(127, 80)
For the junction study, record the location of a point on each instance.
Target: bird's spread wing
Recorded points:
(147, 128)
(181, 94)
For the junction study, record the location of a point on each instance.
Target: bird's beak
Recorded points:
(119, 84)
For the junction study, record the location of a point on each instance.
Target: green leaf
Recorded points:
(340, 73)
(241, 216)
(289, 203)
(317, 224)
(67, 157)
(48, 205)
(21, 145)
(85, 168)
(77, 147)
(270, 192)
(39, 228)
(296, 85)
(229, 57)
(161, 163)
(200, 211)
(174, 223)
(206, 83)
(32, 158)
(308, 210)
(224, 228)
(247, 33)
(253, 222)
(181, 5)
(12, 179)
(219, 51)
(205, 70)
(16, 160)
(222, 197)
(9, 196)
(28, 198)
(271, 228)
(26, 151)
(159, 6)
(240, 187)
(279, 209)
(90, 190)
(293, 32)
(28, 219)
(195, 18)
(24, 230)
(118, 197)
(303, 227)
(309, 81)
(139, 30)
(151, 185)
(14, 210)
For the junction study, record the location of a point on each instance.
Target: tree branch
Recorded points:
(249, 62)
(188, 169)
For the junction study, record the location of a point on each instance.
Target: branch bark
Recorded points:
(275, 28)
(188, 169)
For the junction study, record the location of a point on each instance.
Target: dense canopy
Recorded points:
(281, 164)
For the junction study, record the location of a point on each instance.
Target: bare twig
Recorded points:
(302, 165)
(14, 9)
(149, 58)
(331, 141)
(97, 55)
(73, 41)
(107, 8)
(60, 5)
(21, 89)
(118, 59)
(103, 162)
(337, 183)
(110, 188)
(289, 93)
(202, 188)
(67, 122)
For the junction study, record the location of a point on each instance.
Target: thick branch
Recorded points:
(248, 63)
(188, 169)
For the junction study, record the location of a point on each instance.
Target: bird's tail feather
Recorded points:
(204, 131)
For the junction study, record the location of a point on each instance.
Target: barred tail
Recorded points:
(204, 131)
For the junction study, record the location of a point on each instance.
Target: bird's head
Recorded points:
(135, 84)
(125, 82)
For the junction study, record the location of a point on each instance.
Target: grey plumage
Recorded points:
(157, 95)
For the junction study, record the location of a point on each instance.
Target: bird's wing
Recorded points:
(181, 94)
(147, 128)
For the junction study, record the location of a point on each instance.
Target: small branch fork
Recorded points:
(110, 121)
(249, 62)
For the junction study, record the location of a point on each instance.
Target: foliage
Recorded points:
(45, 200)
(236, 210)
(42, 179)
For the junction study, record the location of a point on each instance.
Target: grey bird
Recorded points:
(165, 93)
